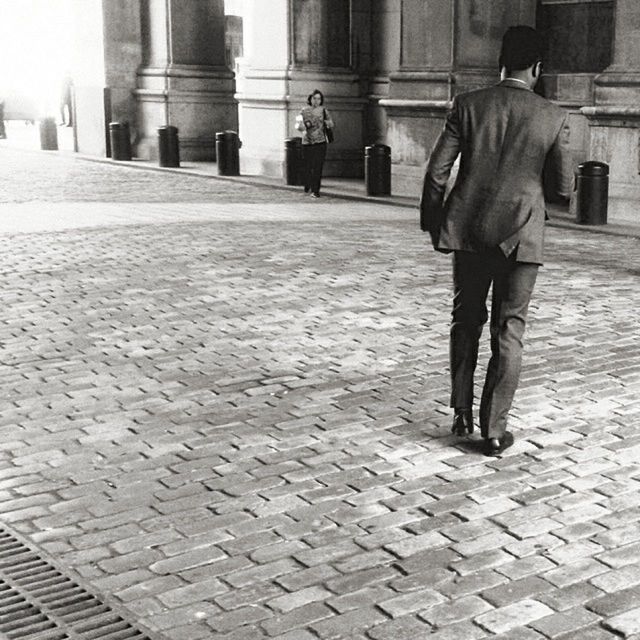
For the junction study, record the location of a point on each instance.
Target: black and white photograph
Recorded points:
(319, 319)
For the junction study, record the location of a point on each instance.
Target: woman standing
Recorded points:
(313, 121)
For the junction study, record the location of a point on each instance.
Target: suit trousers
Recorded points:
(313, 157)
(513, 282)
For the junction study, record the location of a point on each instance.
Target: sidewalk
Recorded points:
(345, 188)
(354, 189)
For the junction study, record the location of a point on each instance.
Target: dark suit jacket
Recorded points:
(504, 135)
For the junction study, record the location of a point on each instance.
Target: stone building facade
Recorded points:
(388, 69)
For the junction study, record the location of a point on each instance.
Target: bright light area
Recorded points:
(234, 7)
(35, 54)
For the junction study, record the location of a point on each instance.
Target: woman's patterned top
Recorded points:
(310, 121)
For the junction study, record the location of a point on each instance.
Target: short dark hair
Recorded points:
(522, 47)
(313, 93)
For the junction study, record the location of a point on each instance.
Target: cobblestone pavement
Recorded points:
(226, 406)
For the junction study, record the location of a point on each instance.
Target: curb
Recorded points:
(561, 222)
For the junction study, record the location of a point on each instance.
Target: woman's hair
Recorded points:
(313, 93)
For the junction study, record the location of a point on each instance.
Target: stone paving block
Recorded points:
(580, 514)
(534, 546)
(290, 601)
(179, 596)
(229, 600)
(534, 564)
(579, 531)
(516, 590)
(405, 628)
(418, 543)
(614, 603)
(574, 551)
(559, 624)
(360, 599)
(383, 537)
(150, 587)
(617, 579)
(460, 531)
(618, 536)
(595, 632)
(181, 616)
(622, 556)
(513, 615)
(356, 622)
(480, 562)
(361, 579)
(575, 572)
(297, 619)
(522, 633)
(410, 602)
(260, 573)
(448, 613)
(578, 594)
(248, 615)
(326, 554)
(366, 560)
(626, 624)
(303, 578)
(475, 583)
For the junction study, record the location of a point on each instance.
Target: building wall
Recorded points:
(388, 68)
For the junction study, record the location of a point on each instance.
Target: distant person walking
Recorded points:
(66, 102)
(3, 131)
(317, 126)
(493, 222)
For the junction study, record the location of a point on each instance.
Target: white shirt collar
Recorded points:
(526, 84)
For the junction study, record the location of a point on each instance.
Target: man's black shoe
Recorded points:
(495, 446)
(462, 421)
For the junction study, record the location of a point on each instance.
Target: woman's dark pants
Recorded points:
(313, 156)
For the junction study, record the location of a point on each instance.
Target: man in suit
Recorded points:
(493, 222)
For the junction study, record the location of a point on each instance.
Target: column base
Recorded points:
(414, 127)
(613, 138)
(198, 100)
(617, 87)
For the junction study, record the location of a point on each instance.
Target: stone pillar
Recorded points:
(291, 48)
(384, 59)
(184, 80)
(479, 29)
(420, 88)
(107, 42)
(614, 120)
(447, 47)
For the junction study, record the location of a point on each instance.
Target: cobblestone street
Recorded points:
(226, 408)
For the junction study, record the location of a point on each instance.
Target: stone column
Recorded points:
(420, 88)
(479, 29)
(447, 47)
(614, 120)
(384, 60)
(107, 43)
(291, 48)
(184, 80)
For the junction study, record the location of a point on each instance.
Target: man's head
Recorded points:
(522, 49)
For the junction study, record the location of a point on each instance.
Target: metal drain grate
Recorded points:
(39, 602)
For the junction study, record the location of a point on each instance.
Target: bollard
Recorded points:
(48, 135)
(168, 146)
(120, 141)
(377, 170)
(592, 187)
(293, 167)
(228, 158)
